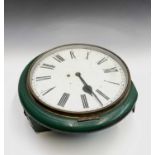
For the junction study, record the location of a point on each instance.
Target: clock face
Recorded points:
(78, 78)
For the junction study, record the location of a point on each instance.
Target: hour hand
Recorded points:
(87, 89)
(78, 74)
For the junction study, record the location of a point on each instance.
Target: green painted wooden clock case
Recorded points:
(43, 119)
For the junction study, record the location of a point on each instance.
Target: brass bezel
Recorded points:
(86, 114)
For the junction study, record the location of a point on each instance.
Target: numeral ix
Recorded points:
(43, 78)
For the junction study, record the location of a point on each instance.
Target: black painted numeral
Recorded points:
(84, 101)
(102, 94)
(59, 58)
(72, 55)
(87, 55)
(47, 66)
(102, 60)
(63, 99)
(43, 78)
(114, 69)
(47, 91)
(112, 82)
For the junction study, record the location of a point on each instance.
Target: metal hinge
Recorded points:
(82, 119)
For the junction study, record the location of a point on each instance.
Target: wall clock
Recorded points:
(76, 88)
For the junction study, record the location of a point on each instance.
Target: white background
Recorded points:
(128, 38)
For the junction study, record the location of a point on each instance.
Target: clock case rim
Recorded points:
(91, 113)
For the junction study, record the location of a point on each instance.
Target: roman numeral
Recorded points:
(63, 99)
(47, 91)
(87, 55)
(101, 61)
(112, 82)
(72, 55)
(102, 94)
(84, 101)
(114, 69)
(58, 58)
(43, 78)
(48, 66)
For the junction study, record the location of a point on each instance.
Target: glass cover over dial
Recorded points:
(78, 78)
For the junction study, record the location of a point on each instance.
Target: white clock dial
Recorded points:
(78, 78)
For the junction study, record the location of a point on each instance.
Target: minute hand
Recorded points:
(97, 98)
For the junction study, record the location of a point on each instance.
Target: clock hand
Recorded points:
(97, 98)
(87, 88)
(79, 75)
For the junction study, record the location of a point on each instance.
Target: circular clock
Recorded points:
(76, 88)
